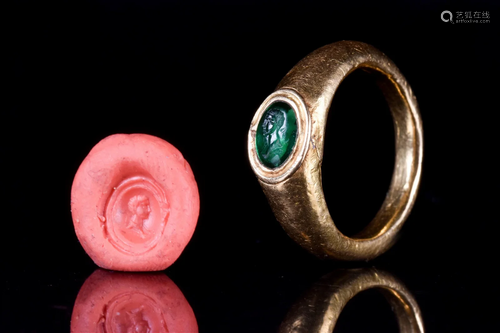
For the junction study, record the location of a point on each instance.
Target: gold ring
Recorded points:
(319, 308)
(285, 149)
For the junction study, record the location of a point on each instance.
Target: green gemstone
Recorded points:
(276, 134)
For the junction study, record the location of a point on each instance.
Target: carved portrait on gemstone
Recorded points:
(276, 134)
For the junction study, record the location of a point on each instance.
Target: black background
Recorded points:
(193, 74)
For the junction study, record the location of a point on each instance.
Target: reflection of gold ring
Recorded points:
(319, 309)
(285, 147)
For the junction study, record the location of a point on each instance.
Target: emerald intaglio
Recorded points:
(276, 134)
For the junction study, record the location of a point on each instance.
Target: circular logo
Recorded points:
(449, 16)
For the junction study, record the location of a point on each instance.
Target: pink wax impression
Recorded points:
(134, 203)
(131, 302)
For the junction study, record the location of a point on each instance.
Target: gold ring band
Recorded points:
(293, 186)
(319, 308)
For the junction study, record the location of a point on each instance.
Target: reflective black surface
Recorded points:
(194, 74)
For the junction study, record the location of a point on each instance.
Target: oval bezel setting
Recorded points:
(299, 149)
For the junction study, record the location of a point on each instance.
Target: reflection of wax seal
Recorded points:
(134, 203)
(113, 302)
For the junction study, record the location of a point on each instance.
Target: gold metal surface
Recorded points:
(294, 190)
(319, 308)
